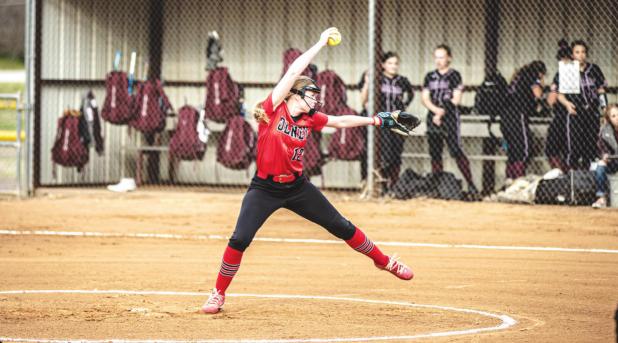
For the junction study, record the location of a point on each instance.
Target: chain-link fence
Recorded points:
(162, 93)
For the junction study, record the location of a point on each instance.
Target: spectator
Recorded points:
(442, 92)
(558, 146)
(525, 92)
(395, 94)
(608, 148)
(584, 108)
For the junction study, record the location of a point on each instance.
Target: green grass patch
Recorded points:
(10, 63)
(8, 120)
(12, 88)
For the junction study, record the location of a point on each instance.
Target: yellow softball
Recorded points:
(334, 38)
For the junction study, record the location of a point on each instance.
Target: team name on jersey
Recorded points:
(293, 131)
(439, 84)
(391, 89)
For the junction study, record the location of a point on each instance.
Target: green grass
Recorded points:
(8, 117)
(12, 88)
(10, 63)
(8, 120)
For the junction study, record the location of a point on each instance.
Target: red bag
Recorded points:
(185, 143)
(348, 144)
(69, 149)
(150, 107)
(237, 145)
(222, 96)
(333, 94)
(117, 106)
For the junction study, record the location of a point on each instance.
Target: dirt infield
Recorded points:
(554, 295)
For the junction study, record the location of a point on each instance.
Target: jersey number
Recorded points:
(298, 154)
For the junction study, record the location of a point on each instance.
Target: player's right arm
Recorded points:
(297, 67)
(567, 104)
(426, 100)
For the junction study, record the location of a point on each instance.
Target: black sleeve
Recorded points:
(408, 90)
(426, 81)
(600, 80)
(455, 82)
(555, 83)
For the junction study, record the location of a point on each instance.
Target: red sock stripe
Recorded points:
(229, 266)
(365, 247)
(228, 269)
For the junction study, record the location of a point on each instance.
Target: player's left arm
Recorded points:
(400, 122)
(458, 87)
(350, 121)
(408, 91)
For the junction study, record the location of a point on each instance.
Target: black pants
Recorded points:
(449, 131)
(390, 149)
(584, 132)
(558, 138)
(516, 131)
(302, 197)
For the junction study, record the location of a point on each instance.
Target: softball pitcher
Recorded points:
(286, 118)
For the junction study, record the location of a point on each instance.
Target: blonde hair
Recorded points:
(260, 114)
(608, 109)
(258, 111)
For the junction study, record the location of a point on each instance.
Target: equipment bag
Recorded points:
(185, 143)
(117, 108)
(577, 187)
(150, 107)
(237, 145)
(222, 96)
(333, 92)
(69, 148)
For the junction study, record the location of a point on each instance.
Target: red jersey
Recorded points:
(281, 142)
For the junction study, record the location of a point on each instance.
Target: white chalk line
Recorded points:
(506, 321)
(300, 241)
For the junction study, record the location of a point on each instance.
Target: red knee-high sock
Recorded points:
(364, 245)
(229, 267)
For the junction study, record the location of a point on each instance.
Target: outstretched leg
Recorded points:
(257, 206)
(311, 204)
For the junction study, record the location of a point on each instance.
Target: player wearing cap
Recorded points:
(286, 118)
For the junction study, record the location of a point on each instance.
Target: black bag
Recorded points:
(411, 185)
(575, 188)
(492, 96)
(446, 185)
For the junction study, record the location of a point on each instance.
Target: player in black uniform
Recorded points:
(396, 93)
(584, 108)
(525, 93)
(558, 146)
(442, 92)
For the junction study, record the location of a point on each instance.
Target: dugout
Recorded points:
(72, 43)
